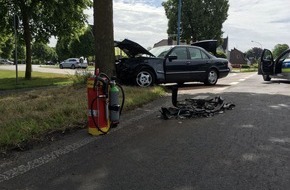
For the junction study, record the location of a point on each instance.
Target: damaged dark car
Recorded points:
(168, 64)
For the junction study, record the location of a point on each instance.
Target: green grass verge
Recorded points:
(56, 66)
(32, 115)
(244, 70)
(8, 80)
(285, 70)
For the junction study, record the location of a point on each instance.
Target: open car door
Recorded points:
(266, 67)
(281, 66)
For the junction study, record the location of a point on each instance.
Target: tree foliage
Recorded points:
(82, 45)
(6, 46)
(254, 54)
(278, 49)
(62, 48)
(200, 19)
(39, 20)
(221, 54)
(21, 52)
(42, 52)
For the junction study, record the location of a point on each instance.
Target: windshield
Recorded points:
(160, 51)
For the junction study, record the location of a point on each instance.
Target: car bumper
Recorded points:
(224, 73)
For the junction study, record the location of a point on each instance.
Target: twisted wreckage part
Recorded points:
(191, 108)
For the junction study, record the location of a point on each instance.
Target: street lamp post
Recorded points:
(260, 51)
(257, 43)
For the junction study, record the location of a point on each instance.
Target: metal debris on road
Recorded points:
(192, 108)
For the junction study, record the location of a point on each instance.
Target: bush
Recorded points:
(221, 55)
(236, 66)
(245, 66)
(81, 76)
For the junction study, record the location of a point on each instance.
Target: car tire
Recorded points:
(212, 77)
(145, 78)
(61, 66)
(73, 66)
(266, 78)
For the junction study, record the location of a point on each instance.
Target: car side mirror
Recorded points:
(172, 57)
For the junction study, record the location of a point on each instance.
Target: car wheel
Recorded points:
(212, 77)
(145, 78)
(61, 66)
(73, 66)
(266, 78)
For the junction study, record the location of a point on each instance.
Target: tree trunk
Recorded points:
(27, 39)
(104, 36)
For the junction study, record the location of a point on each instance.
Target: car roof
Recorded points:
(189, 46)
(182, 46)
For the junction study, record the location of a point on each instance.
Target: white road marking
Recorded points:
(234, 83)
(221, 89)
(42, 160)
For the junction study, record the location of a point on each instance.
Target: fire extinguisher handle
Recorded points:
(105, 85)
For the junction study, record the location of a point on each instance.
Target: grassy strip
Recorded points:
(31, 115)
(90, 67)
(8, 80)
(285, 70)
(244, 70)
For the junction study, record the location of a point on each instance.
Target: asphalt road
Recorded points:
(244, 148)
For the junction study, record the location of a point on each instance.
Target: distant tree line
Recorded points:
(37, 21)
(66, 47)
(254, 54)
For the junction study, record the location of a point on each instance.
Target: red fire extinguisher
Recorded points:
(102, 93)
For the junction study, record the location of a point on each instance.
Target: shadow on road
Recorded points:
(277, 82)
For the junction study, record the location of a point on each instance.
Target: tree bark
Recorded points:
(104, 36)
(27, 39)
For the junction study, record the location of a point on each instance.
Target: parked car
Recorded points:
(168, 64)
(49, 63)
(74, 63)
(278, 68)
(286, 63)
(6, 61)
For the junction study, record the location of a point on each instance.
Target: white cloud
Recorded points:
(142, 21)
(139, 22)
(264, 21)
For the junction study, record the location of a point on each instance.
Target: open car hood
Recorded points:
(132, 48)
(208, 45)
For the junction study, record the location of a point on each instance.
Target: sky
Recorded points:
(250, 23)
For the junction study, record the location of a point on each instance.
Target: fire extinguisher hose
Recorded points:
(93, 117)
(105, 85)
(123, 97)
